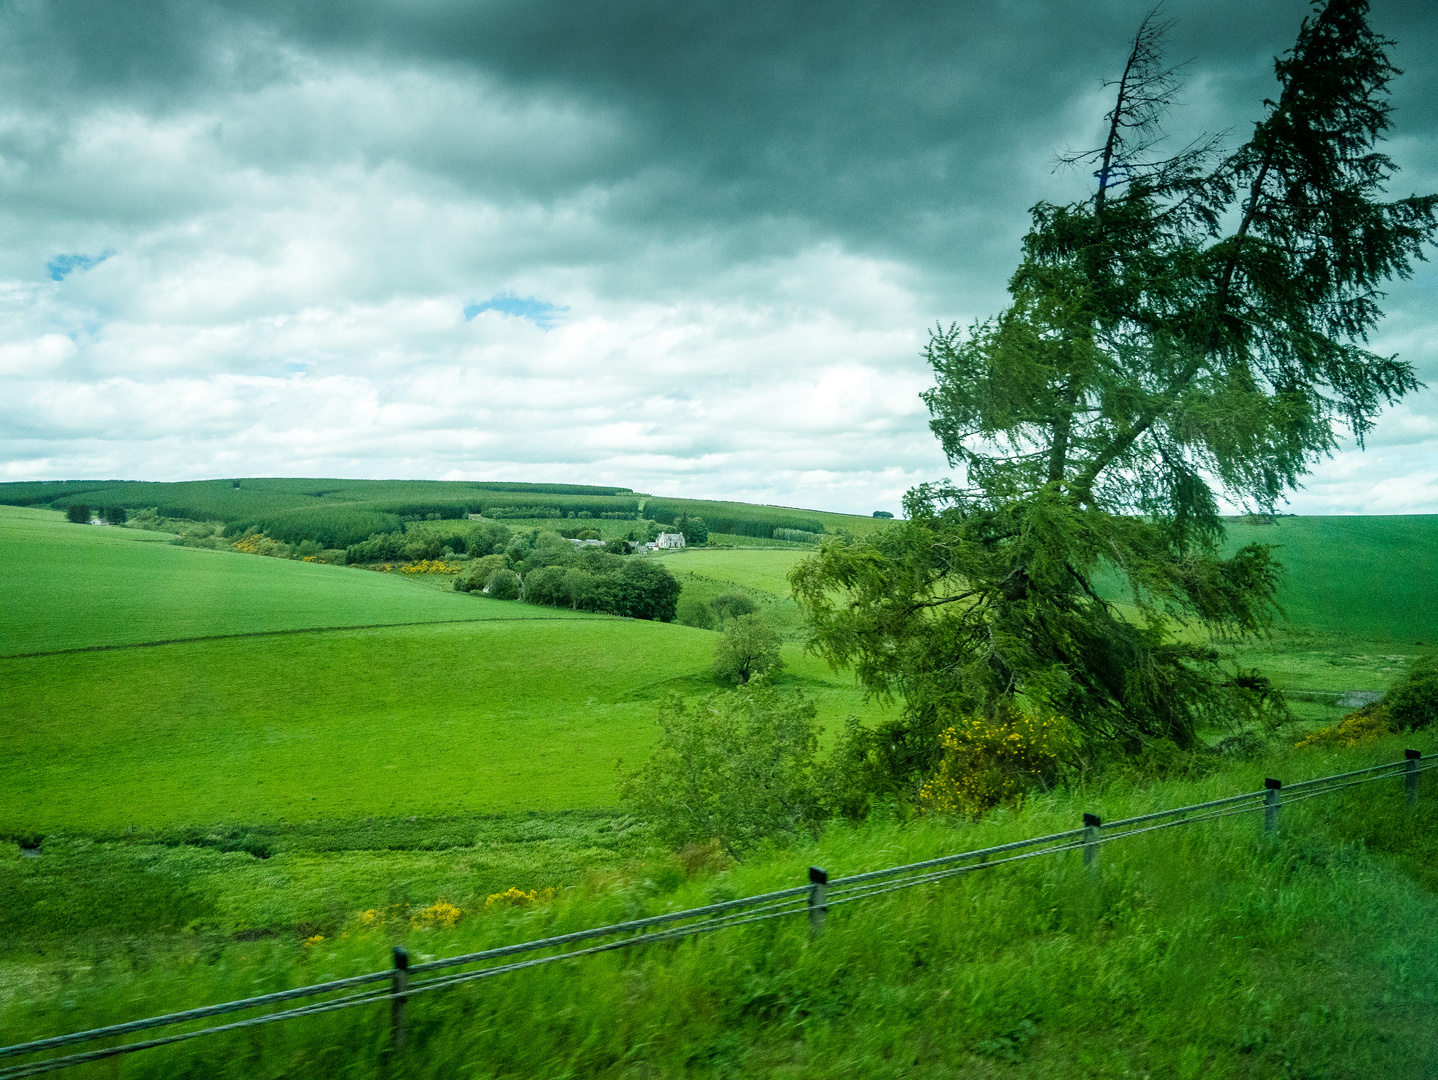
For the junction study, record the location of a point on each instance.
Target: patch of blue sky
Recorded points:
(540, 312)
(62, 265)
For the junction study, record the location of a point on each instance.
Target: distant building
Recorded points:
(670, 540)
(587, 543)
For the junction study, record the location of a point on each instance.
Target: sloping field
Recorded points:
(440, 719)
(447, 703)
(1370, 577)
(71, 586)
(766, 570)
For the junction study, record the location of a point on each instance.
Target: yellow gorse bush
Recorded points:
(1364, 725)
(430, 566)
(989, 762)
(513, 897)
(255, 544)
(441, 915)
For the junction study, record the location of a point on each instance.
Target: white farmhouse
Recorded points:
(669, 540)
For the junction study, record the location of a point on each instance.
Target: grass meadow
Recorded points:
(1205, 951)
(264, 770)
(460, 705)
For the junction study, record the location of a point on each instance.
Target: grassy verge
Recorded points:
(1195, 952)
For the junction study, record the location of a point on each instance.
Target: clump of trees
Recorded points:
(78, 513)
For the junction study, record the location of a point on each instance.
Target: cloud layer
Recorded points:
(689, 248)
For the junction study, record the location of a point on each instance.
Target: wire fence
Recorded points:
(403, 980)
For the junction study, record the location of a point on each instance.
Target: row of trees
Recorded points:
(81, 514)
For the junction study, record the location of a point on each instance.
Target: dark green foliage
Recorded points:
(503, 585)
(737, 519)
(749, 648)
(646, 590)
(798, 536)
(79, 513)
(1413, 703)
(693, 529)
(882, 514)
(732, 605)
(692, 611)
(593, 580)
(1192, 330)
(329, 526)
(737, 768)
(113, 515)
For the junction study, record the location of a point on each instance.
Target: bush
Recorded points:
(1368, 724)
(547, 585)
(989, 762)
(503, 585)
(748, 648)
(732, 605)
(79, 514)
(737, 768)
(1413, 703)
(692, 611)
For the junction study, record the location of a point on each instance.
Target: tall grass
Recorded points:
(1202, 951)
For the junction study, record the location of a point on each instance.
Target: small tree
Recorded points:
(80, 515)
(693, 611)
(114, 515)
(503, 585)
(732, 605)
(750, 647)
(736, 767)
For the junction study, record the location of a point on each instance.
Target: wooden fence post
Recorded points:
(1271, 804)
(818, 895)
(1091, 825)
(1410, 778)
(399, 983)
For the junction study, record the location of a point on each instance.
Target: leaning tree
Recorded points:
(1193, 331)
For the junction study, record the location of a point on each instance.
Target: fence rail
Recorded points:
(405, 980)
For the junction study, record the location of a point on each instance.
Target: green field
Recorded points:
(78, 586)
(222, 756)
(460, 705)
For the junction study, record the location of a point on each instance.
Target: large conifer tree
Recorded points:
(1193, 330)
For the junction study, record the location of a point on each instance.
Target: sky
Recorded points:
(692, 248)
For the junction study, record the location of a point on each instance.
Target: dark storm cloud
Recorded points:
(317, 187)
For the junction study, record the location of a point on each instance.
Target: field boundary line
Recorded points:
(285, 633)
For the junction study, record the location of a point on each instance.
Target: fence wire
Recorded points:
(745, 910)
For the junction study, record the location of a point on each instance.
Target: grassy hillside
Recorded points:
(78, 586)
(1368, 577)
(482, 706)
(1205, 951)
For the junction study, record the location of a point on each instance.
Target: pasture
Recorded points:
(80, 586)
(323, 692)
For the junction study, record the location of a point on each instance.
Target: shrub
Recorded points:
(748, 648)
(547, 585)
(732, 605)
(737, 768)
(989, 762)
(1413, 703)
(79, 514)
(1368, 724)
(503, 585)
(692, 611)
